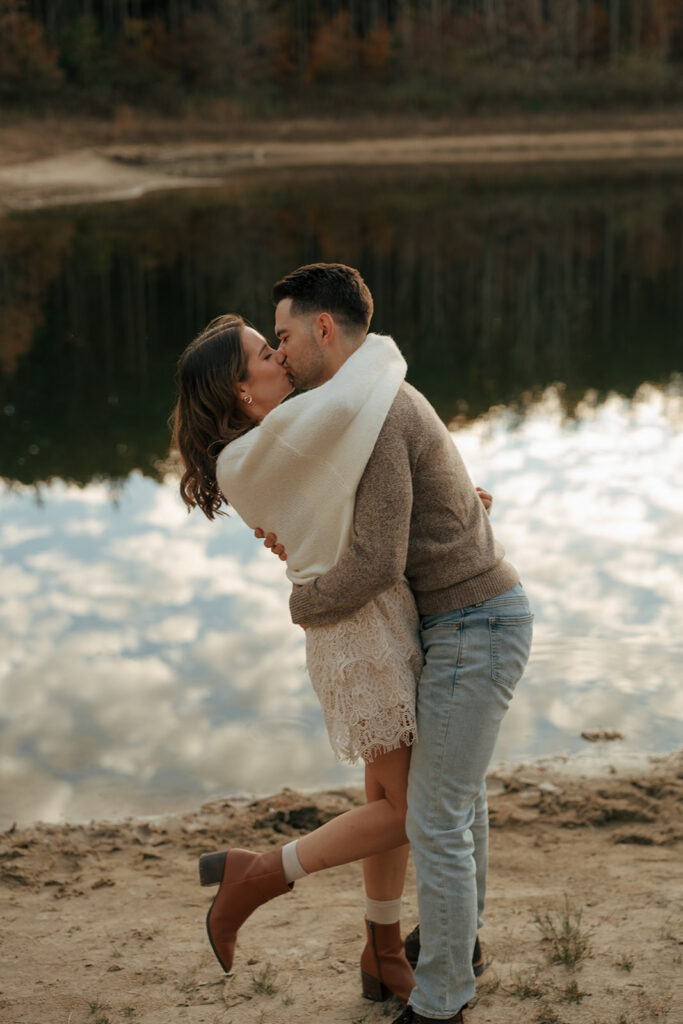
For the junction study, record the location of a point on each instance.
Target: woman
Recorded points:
(235, 441)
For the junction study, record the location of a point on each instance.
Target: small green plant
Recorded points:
(128, 1011)
(546, 1015)
(95, 1007)
(263, 983)
(485, 989)
(625, 963)
(562, 930)
(572, 993)
(524, 986)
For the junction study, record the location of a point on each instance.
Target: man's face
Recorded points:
(304, 360)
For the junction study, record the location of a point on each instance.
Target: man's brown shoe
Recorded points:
(412, 947)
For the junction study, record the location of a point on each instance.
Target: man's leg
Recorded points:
(473, 659)
(480, 834)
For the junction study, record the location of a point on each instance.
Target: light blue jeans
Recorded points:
(473, 659)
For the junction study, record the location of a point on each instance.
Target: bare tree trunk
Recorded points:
(573, 31)
(614, 27)
(436, 13)
(636, 24)
(491, 15)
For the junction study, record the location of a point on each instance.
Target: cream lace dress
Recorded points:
(364, 671)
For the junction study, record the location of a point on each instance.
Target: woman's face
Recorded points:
(267, 382)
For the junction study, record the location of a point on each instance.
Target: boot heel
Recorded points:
(211, 867)
(374, 989)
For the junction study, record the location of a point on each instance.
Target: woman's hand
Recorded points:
(271, 542)
(486, 499)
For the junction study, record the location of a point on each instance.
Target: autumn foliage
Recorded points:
(380, 53)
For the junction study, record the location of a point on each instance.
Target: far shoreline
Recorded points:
(98, 161)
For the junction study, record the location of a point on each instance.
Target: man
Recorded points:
(417, 514)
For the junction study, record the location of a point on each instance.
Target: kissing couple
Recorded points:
(417, 628)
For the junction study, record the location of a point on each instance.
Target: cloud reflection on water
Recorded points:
(149, 659)
(590, 510)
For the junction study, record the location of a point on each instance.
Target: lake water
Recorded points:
(148, 661)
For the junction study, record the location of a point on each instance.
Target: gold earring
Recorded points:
(248, 399)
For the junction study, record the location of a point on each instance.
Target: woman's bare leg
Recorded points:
(248, 879)
(365, 832)
(384, 873)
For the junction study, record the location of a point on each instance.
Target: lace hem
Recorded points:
(364, 671)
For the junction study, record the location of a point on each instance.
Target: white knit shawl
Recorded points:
(296, 474)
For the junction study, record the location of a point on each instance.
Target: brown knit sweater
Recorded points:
(416, 514)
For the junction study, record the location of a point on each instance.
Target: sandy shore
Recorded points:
(105, 922)
(97, 163)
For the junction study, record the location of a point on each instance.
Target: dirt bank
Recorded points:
(105, 922)
(53, 164)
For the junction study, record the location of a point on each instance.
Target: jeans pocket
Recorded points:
(510, 646)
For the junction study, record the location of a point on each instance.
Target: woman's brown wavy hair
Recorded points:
(208, 414)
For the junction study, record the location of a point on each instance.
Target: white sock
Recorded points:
(383, 911)
(291, 865)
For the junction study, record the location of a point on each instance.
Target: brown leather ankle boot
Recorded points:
(383, 965)
(246, 881)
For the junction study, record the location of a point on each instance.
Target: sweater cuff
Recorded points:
(298, 602)
(305, 609)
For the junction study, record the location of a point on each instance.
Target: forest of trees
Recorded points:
(265, 55)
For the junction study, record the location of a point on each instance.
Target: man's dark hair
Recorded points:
(328, 288)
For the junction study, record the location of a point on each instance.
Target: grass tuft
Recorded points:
(524, 986)
(485, 990)
(562, 931)
(263, 983)
(572, 993)
(546, 1015)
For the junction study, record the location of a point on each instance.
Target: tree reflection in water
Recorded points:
(494, 290)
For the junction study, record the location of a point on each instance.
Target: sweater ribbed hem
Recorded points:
(473, 591)
(429, 602)
(298, 605)
(301, 614)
